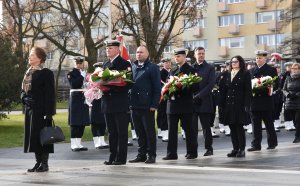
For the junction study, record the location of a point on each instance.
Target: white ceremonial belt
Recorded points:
(77, 90)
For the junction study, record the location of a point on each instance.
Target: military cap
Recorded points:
(223, 65)
(180, 51)
(251, 63)
(98, 64)
(289, 63)
(261, 53)
(188, 59)
(109, 43)
(79, 60)
(165, 59)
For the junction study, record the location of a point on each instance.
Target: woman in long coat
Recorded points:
(235, 101)
(38, 96)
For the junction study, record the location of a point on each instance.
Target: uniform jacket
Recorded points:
(183, 100)
(263, 102)
(145, 92)
(235, 98)
(164, 75)
(116, 99)
(43, 93)
(203, 101)
(292, 86)
(78, 110)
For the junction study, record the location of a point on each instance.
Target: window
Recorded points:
(234, 42)
(231, 1)
(269, 40)
(195, 43)
(168, 49)
(263, 17)
(196, 23)
(231, 19)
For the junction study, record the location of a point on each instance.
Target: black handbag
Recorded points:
(51, 134)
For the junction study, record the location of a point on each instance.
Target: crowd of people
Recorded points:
(227, 93)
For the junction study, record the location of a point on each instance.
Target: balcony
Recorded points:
(261, 4)
(223, 7)
(197, 32)
(234, 29)
(273, 25)
(223, 51)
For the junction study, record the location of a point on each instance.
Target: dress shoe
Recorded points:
(83, 149)
(271, 147)
(253, 149)
(191, 156)
(108, 163)
(208, 153)
(34, 168)
(118, 163)
(150, 159)
(129, 144)
(296, 140)
(42, 168)
(76, 149)
(170, 157)
(138, 159)
(241, 154)
(233, 153)
(103, 147)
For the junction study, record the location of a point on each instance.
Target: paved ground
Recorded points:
(274, 167)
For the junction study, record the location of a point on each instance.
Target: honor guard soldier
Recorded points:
(115, 106)
(179, 107)
(262, 105)
(78, 110)
(251, 64)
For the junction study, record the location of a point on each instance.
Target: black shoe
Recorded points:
(170, 157)
(83, 149)
(42, 168)
(103, 147)
(138, 159)
(296, 140)
(208, 153)
(129, 144)
(108, 163)
(76, 149)
(118, 163)
(191, 156)
(233, 153)
(241, 154)
(271, 147)
(253, 149)
(150, 159)
(34, 168)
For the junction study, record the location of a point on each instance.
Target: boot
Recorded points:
(165, 137)
(133, 135)
(263, 126)
(182, 133)
(102, 144)
(81, 148)
(159, 134)
(44, 166)
(222, 129)
(227, 130)
(214, 135)
(38, 159)
(96, 142)
(74, 146)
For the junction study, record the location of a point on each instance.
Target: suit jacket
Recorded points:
(203, 101)
(116, 99)
(263, 102)
(184, 99)
(235, 98)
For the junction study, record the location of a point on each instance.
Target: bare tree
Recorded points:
(153, 22)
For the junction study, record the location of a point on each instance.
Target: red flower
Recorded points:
(258, 81)
(179, 85)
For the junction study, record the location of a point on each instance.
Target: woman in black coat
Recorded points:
(38, 96)
(291, 91)
(235, 101)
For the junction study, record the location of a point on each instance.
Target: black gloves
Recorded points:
(292, 96)
(48, 120)
(28, 101)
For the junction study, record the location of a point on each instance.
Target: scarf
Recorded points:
(295, 76)
(233, 73)
(26, 83)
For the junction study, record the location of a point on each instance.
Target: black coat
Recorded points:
(204, 103)
(116, 99)
(262, 101)
(183, 102)
(292, 86)
(43, 93)
(78, 110)
(235, 98)
(97, 116)
(164, 75)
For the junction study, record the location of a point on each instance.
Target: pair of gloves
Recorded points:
(293, 95)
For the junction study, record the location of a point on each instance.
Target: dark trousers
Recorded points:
(257, 118)
(237, 134)
(205, 119)
(190, 133)
(296, 118)
(117, 126)
(77, 131)
(98, 129)
(162, 118)
(144, 123)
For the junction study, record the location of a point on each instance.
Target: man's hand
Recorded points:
(28, 101)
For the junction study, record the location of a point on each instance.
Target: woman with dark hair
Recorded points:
(38, 96)
(235, 102)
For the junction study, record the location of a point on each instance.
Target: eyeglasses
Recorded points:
(234, 61)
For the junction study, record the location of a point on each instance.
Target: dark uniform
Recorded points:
(78, 110)
(115, 107)
(262, 106)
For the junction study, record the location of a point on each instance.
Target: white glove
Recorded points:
(83, 73)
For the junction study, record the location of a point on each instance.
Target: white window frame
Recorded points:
(192, 44)
(269, 39)
(231, 41)
(260, 16)
(231, 1)
(225, 21)
(201, 23)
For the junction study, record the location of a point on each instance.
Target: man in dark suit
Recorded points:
(144, 101)
(115, 107)
(262, 105)
(203, 101)
(179, 107)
